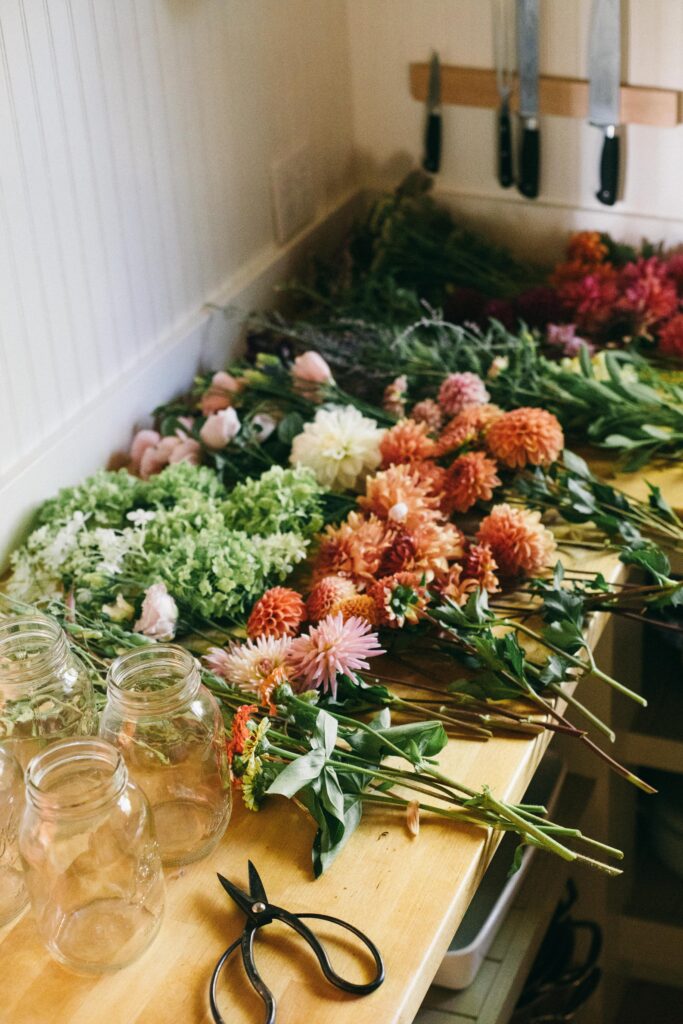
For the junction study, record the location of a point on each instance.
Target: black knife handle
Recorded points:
(432, 157)
(505, 175)
(609, 171)
(529, 162)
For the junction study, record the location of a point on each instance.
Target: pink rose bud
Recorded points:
(219, 396)
(312, 367)
(186, 425)
(159, 614)
(188, 450)
(220, 428)
(143, 440)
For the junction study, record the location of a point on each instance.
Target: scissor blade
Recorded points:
(241, 898)
(258, 893)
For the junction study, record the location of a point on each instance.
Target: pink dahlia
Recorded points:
(428, 411)
(332, 648)
(519, 541)
(671, 338)
(460, 390)
(525, 437)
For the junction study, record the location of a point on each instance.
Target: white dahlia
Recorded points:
(341, 447)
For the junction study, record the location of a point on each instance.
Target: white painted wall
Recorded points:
(136, 141)
(387, 35)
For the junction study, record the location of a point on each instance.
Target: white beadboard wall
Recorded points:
(387, 35)
(137, 139)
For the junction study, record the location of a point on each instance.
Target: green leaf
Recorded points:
(298, 773)
(325, 732)
(575, 464)
(289, 427)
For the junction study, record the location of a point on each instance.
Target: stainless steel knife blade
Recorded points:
(527, 57)
(604, 63)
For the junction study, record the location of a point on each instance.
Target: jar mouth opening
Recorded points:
(75, 775)
(30, 647)
(152, 676)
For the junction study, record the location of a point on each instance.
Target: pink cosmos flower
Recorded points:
(159, 614)
(334, 647)
(219, 395)
(311, 367)
(220, 428)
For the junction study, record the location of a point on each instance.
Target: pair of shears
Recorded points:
(259, 913)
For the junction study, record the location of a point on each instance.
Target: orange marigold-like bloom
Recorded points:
(524, 437)
(399, 599)
(362, 606)
(408, 441)
(239, 732)
(278, 612)
(428, 411)
(400, 496)
(471, 478)
(468, 426)
(326, 594)
(480, 565)
(353, 549)
(520, 543)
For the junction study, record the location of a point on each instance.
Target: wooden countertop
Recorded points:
(408, 893)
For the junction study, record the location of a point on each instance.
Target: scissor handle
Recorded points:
(246, 941)
(295, 921)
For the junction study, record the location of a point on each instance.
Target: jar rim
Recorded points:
(15, 632)
(176, 677)
(66, 758)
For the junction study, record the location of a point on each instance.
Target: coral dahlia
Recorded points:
(398, 495)
(457, 587)
(428, 411)
(525, 437)
(471, 478)
(278, 612)
(459, 390)
(408, 441)
(468, 426)
(332, 648)
(352, 549)
(325, 594)
(480, 565)
(520, 543)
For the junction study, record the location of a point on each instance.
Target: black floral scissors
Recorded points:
(259, 912)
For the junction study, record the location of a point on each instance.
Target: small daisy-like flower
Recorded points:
(471, 478)
(394, 400)
(249, 664)
(325, 594)
(399, 495)
(399, 599)
(278, 612)
(468, 426)
(480, 565)
(361, 606)
(520, 543)
(340, 445)
(460, 390)
(525, 437)
(353, 549)
(429, 412)
(408, 441)
(254, 785)
(332, 648)
(671, 338)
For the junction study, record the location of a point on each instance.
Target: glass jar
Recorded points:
(45, 691)
(170, 730)
(90, 857)
(13, 895)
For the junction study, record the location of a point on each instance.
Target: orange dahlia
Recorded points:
(480, 565)
(399, 496)
(325, 594)
(362, 606)
(519, 541)
(399, 599)
(525, 437)
(468, 426)
(353, 549)
(434, 478)
(278, 612)
(428, 411)
(457, 587)
(436, 544)
(471, 478)
(408, 441)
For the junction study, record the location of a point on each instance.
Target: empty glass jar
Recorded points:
(45, 691)
(13, 895)
(170, 730)
(90, 856)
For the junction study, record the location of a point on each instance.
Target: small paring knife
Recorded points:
(503, 35)
(527, 65)
(604, 72)
(432, 148)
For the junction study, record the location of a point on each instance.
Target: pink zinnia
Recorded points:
(460, 390)
(332, 648)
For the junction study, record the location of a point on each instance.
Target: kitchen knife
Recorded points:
(502, 36)
(604, 73)
(527, 66)
(432, 151)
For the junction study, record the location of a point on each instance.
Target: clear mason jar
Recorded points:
(45, 691)
(90, 855)
(13, 895)
(170, 730)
